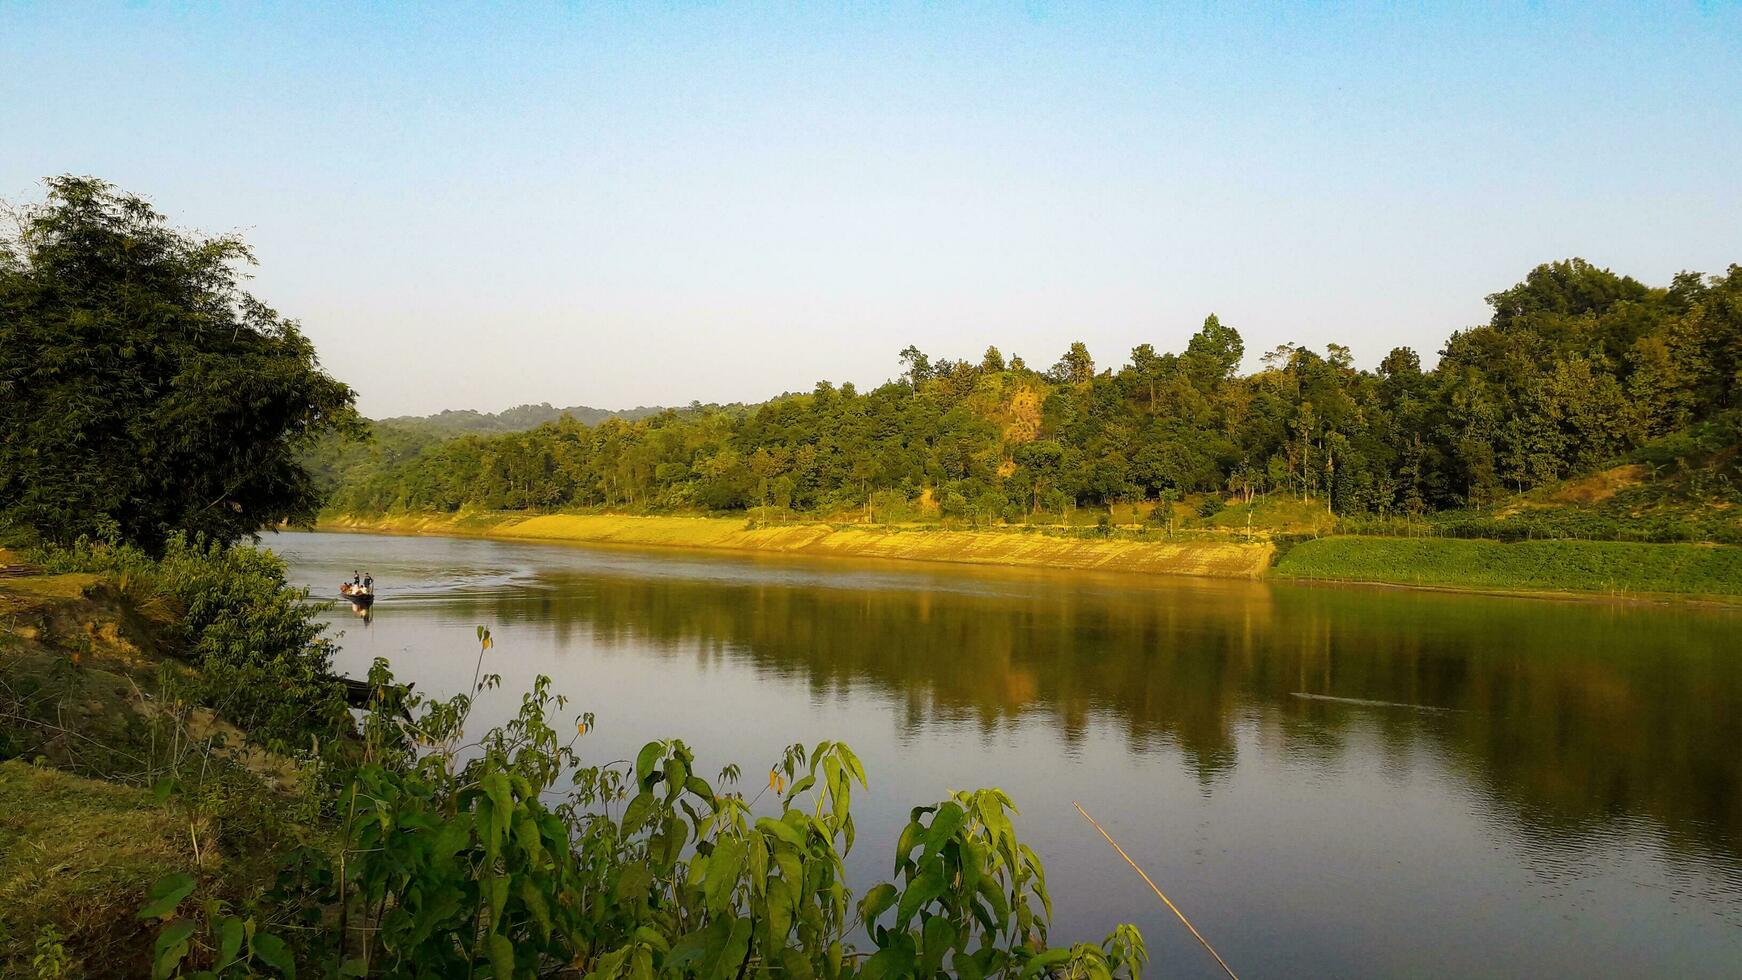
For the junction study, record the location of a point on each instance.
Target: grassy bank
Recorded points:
(143, 834)
(1007, 547)
(77, 857)
(1595, 567)
(93, 718)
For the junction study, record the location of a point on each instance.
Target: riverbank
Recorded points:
(1564, 568)
(1006, 547)
(90, 720)
(1609, 569)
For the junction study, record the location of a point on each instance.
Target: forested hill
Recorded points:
(1577, 369)
(517, 419)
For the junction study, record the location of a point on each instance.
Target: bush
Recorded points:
(455, 856)
(263, 660)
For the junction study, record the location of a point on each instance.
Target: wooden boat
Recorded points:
(362, 694)
(356, 595)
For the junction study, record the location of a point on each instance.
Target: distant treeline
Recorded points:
(455, 422)
(1577, 367)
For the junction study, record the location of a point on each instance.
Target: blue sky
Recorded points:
(478, 206)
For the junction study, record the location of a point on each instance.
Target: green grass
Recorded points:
(77, 857)
(1275, 512)
(1607, 567)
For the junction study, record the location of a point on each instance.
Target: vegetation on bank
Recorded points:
(183, 792)
(142, 391)
(1589, 408)
(1149, 551)
(1599, 567)
(160, 682)
(1577, 369)
(403, 847)
(261, 660)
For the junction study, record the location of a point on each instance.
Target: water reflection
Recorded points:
(1339, 781)
(1570, 713)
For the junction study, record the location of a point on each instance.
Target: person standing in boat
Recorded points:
(369, 583)
(356, 578)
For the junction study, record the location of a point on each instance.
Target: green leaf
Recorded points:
(229, 941)
(965, 967)
(778, 828)
(496, 887)
(501, 794)
(501, 956)
(895, 960)
(176, 933)
(165, 895)
(988, 890)
(724, 866)
(796, 965)
(676, 835)
(1052, 957)
(876, 902)
(637, 812)
(645, 762)
(732, 953)
(633, 881)
(651, 937)
(695, 947)
(791, 867)
(641, 964)
(535, 903)
(451, 837)
(780, 909)
(936, 939)
(928, 886)
(910, 837)
(270, 950)
(610, 965)
(944, 825)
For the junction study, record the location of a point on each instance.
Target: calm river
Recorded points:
(1329, 781)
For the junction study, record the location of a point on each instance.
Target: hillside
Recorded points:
(465, 421)
(1579, 370)
(1685, 486)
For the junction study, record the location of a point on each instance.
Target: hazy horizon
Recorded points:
(478, 208)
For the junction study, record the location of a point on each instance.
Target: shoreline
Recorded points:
(1252, 561)
(1014, 548)
(1561, 569)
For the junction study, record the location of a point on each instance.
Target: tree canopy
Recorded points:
(143, 391)
(1577, 366)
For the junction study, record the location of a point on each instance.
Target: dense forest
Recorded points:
(144, 392)
(1577, 368)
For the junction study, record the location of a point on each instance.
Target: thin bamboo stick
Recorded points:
(1158, 894)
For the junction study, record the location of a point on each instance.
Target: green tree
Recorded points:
(1076, 366)
(142, 391)
(1218, 347)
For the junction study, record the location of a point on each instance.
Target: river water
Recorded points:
(1329, 781)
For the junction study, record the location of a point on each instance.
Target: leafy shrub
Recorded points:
(263, 659)
(455, 855)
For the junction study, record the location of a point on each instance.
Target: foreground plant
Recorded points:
(463, 859)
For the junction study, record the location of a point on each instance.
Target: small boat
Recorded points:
(362, 694)
(356, 595)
